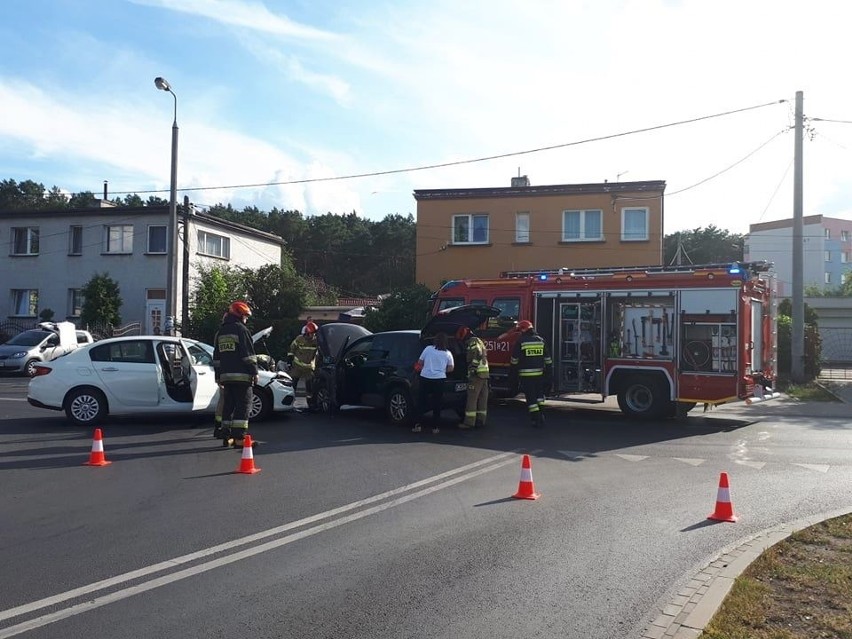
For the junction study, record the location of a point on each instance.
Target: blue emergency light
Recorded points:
(735, 269)
(542, 277)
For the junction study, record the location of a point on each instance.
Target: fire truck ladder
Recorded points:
(759, 266)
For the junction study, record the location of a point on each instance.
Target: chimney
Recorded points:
(521, 180)
(106, 196)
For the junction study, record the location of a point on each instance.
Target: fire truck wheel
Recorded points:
(644, 398)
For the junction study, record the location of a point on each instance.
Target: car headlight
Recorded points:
(18, 355)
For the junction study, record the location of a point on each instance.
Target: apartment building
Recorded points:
(53, 253)
(826, 255)
(481, 232)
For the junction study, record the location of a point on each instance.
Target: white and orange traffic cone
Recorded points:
(724, 509)
(526, 487)
(97, 457)
(247, 459)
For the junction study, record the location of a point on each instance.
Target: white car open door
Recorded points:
(202, 378)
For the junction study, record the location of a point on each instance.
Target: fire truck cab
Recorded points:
(661, 339)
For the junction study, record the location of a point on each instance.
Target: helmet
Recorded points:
(240, 309)
(462, 332)
(310, 328)
(525, 325)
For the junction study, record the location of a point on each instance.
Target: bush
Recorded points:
(813, 348)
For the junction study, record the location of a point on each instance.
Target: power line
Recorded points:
(470, 161)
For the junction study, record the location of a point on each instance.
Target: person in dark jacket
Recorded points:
(235, 364)
(532, 364)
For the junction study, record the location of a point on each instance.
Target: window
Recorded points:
(634, 225)
(470, 229)
(449, 303)
(581, 226)
(510, 312)
(844, 257)
(75, 240)
(522, 227)
(214, 245)
(828, 256)
(828, 278)
(25, 240)
(157, 239)
(25, 302)
(844, 236)
(75, 302)
(129, 352)
(119, 238)
(828, 234)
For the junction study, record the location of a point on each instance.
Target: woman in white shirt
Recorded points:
(434, 364)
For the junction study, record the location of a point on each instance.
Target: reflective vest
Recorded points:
(234, 359)
(530, 355)
(477, 358)
(304, 353)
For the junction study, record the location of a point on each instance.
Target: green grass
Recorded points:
(808, 392)
(799, 588)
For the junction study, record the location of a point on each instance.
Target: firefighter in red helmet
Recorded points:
(302, 357)
(531, 364)
(235, 365)
(476, 355)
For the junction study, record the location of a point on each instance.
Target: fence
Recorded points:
(10, 328)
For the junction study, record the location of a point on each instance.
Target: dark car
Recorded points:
(377, 369)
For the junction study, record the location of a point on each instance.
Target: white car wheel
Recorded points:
(85, 406)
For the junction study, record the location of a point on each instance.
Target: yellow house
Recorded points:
(478, 233)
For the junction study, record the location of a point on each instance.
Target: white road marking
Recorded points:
(692, 461)
(750, 464)
(445, 480)
(633, 458)
(820, 468)
(13, 399)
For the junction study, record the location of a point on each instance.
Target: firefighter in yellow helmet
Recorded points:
(531, 363)
(302, 357)
(235, 365)
(476, 407)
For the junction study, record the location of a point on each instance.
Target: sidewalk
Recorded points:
(687, 613)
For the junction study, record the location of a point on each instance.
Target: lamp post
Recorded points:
(171, 267)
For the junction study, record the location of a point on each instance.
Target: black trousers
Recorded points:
(431, 396)
(533, 390)
(237, 405)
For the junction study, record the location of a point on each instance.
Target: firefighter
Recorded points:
(302, 358)
(235, 365)
(531, 365)
(476, 407)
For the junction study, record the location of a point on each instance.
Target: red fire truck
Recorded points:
(661, 339)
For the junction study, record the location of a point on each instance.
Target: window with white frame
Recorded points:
(214, 245)
(634, 224)
(522, 227)
(828, 278)
(118, 238)
(25, 302)
(844, 236)
(844, 257)
(828, 256)
(24, 240)
(828, 234)
(75, 239)
(470, 228)
(157, 239)
(582, 226)
(75, 302)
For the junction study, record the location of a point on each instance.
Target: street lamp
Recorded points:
(171, 284)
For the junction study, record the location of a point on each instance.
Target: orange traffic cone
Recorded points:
(97, 457)
(724, 510)
(526, 488)
(247, 459)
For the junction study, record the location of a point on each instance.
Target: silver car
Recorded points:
(21, 353)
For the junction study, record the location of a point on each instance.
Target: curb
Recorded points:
(687, 613)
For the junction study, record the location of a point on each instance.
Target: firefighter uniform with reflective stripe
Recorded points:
(531, 363)
(302, 356)
(235, 364)
(475, 412)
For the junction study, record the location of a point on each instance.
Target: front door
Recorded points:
(155, 311)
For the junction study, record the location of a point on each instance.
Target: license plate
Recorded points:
(461, 386)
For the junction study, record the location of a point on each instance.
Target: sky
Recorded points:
(278, 99)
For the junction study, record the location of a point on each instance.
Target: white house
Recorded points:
(53, 253)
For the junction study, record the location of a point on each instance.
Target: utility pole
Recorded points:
(797, 346)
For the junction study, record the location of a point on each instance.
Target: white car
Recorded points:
(144, 375)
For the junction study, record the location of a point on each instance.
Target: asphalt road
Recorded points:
(355, 528)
